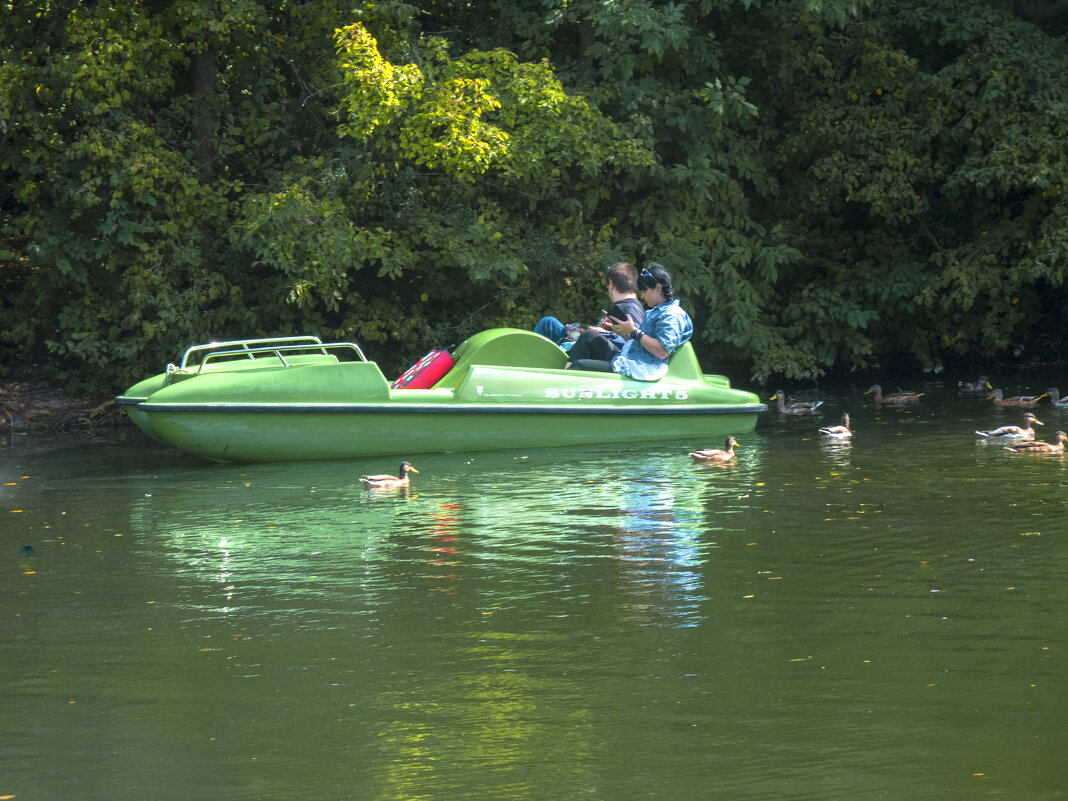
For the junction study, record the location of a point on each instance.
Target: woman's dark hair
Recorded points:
(653, 274)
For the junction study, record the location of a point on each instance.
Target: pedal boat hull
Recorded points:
(275, 400)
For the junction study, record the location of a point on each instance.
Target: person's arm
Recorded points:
(627, 329)
(652, 344)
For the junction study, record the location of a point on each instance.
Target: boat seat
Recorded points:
(514, 347)
(504, 347)
(683, 364)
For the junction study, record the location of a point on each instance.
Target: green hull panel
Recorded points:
(273, 436)
(506, 390)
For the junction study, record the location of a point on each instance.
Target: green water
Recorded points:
(886, 619)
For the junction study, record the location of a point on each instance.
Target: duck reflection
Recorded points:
(838, 451)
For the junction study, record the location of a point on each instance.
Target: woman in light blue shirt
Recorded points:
(649, 346)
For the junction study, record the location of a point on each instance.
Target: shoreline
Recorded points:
(28, 407)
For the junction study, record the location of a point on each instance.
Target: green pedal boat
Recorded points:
(301, 398)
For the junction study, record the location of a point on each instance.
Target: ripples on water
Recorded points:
(876, 619)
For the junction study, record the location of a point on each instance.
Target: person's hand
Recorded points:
(623, 327)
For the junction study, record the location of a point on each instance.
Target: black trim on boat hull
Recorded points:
(392, 408)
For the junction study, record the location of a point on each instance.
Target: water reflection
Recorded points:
(445, 540)
(837, 451)
(798, 623)
(659, 559)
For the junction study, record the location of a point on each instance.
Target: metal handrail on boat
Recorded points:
(279, 350)
(245, 346)
(250, 349)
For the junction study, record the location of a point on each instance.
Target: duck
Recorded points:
(998, 396)
(838, 432)
(1037, 446)
(1026, 431)
(1055, 398)
(384, 481)
(982, 385)
(801, 407)
(893, 397)
(716, 455)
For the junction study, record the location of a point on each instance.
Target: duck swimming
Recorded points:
(1026, 431)
(998, 396)
(384, 481)
(715, 455)
(1055, 398)
(893, 397)
(801, 407)
(982, 385)
(1036, 446)
(839, 432)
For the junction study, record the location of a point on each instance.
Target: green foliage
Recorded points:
(484, 113)
(931, 160)
(834, 184)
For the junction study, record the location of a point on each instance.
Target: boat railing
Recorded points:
(195, 354)
(197, 358)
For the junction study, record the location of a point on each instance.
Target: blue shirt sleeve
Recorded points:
(669, 324)
(673, 328)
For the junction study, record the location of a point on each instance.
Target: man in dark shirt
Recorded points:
(599, 341)
(622, 289)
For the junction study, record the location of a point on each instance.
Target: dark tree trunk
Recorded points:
(202, 70)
